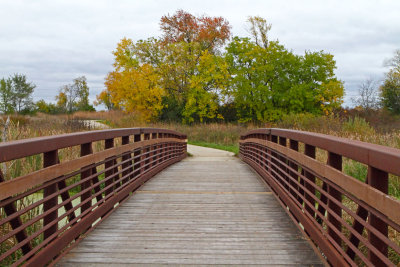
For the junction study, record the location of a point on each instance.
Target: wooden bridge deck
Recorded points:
(208, 209)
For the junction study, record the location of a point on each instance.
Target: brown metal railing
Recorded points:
(47, 211)
(351, 222)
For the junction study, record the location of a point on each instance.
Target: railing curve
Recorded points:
(351, 222)
(46, 211)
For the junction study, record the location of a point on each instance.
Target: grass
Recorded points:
(231, 148)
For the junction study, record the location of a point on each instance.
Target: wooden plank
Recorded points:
(197, 212)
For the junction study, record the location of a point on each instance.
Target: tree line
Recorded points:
(374, 95)
(16, 97)
(197, 72)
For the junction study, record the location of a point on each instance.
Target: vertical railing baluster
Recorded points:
(109, 163)
(379, 180)
(309, 151)
(49, 159)
(269, 156)
(136, 155)
(284, 173)
(86, 149)
(127, 166)
(274, 156)
(153, 153)
(146, 152)
(161, 147)
(335, 161)
(294, 145)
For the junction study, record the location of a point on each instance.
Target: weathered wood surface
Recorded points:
(208, 209)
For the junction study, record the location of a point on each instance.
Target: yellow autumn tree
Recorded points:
(136, 89)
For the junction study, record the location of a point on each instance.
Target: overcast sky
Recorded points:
(53, 42)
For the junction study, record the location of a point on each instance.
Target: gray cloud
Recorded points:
(53, 42)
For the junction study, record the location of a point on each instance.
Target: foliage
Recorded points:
(259, 29)
(16, 94)
(188, 74)
(269, 82)
(6, 96)
(49, 108)
(193, 81)
(75, 96)
(209, 32)
(136, 89)
(390, 92)
(104, 98)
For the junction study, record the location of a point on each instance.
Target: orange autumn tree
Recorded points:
(210, 32)
(166, 78)
(133, 87)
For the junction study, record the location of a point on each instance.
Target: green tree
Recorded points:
(268, 81)
(50, 108)
(390, 90)
(22, 91)
(75, 96)
(6, 96)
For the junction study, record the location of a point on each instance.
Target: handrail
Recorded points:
(45, 212)
(349, 221)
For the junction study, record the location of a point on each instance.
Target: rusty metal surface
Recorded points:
(322, 198)
(64, 200)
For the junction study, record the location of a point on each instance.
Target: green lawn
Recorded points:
(231, 148)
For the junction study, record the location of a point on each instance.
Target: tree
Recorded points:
(259, 29)
(136, 89)
(206, 89)
(6, 96)
(210, 32)
(176, 60)
(390, 92)
(268, 82)
(42, 106)
(22, 91)
(367, 95)
(104, 98)
(16, 94)
(74, 97)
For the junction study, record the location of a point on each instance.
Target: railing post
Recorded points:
(109, 143)
(269, 156)
(137, 157)
(309, 151)
(274, 155)
(127, 166)
(283, 162)
(49, 159)
(294, 145)
(153, 153)
(335, 161)
(146, 152)
(379, 180)
(86, 149)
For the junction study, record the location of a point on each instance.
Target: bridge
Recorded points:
(132, 196)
